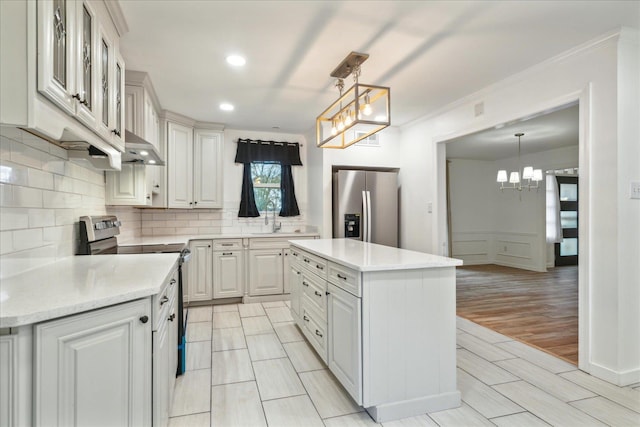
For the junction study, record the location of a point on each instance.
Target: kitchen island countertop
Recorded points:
(364, 256)
(80, 283)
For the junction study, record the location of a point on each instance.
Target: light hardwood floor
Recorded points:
(540, 309)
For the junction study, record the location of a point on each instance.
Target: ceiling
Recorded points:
(544, 132)
(430, 53)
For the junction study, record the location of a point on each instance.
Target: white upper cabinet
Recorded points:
(207, 169)
(180, 165)
(194, 171)
(127, 187)
(79, 66)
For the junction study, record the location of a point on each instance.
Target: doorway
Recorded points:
(510, 281)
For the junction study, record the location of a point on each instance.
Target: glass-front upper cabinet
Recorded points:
(86, 87)
(79, 67)
(56, 60)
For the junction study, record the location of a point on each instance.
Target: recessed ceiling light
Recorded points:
(236, 60)
(152, 162)
(226, 107)
(144, 153)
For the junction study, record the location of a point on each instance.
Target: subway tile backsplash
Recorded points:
(42, 195)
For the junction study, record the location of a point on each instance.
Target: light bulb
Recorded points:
(334, 131)
(340, 124)
(348, 120)
(367, 106)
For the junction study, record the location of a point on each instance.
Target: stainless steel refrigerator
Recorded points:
(365, 206)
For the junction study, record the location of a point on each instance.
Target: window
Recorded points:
(266, 185)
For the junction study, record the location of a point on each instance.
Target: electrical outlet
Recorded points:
(635, 190)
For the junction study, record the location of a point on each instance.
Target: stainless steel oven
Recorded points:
(98, 237)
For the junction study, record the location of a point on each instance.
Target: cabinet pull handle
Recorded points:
(190, 203)
(319, 267)
(144, 319)
(172, 282)
(317, 293)
(340, 276)
(307, 260)
(164, 299)
(318, 333)
(173, 316)
(227, 253)
(280, 254)
(116, 132)
(306, 319)
(304, 283)
(328, 293)
(208, 246)
(298, 273)
(195, 203)
(81, 101)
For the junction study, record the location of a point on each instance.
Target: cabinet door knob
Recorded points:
(328, 293)
(195, 203)
(173, 316)
(144, 319)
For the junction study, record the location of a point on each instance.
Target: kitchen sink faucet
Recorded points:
(276, 227)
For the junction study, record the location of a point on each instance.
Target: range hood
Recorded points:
(137, 150)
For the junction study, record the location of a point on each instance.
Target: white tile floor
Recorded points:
(248, 365)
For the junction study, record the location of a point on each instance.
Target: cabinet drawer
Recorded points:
(268, 243)
(314, 291)
(161, 302)
(345, 278)
(227, 244)
(314, 264)
(316, 333)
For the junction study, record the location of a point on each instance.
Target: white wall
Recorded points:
(506, 227)
(603, 76)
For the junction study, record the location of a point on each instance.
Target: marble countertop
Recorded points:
(372, 257)
(167, 239)
(81, 283)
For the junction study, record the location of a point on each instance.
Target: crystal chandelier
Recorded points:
(528, 173)
(357, 114)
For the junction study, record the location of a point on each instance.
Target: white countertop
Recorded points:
(372, 257)
(167, 239)
(81, 283)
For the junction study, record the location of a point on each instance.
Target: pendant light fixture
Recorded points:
(528, 173)
(357, 114)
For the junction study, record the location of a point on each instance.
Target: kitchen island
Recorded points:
(382, 319)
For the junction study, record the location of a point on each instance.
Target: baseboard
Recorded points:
(621, 379)
(516, 265)
(413, 407)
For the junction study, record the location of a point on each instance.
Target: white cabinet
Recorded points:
(127, 187)
(295, 284)
(95, 366)
(136, 184)
(266, 272)
(194, 167)
(207, 169)
(345, 340)
(165, 342)
(16, 376)
(228, 273)
(200, 285)
(79, 66)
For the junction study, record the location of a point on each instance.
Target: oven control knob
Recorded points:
(144, 319)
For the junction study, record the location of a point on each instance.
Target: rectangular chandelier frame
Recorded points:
(352, 104)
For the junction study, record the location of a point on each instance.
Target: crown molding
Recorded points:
(115, 11)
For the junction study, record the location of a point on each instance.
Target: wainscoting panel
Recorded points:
(518, 250)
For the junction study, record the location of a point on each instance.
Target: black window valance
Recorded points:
(285, 153)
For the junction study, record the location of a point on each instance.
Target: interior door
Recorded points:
(567, 250)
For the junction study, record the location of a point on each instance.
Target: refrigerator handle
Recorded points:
(365, 217)
(369, 216)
